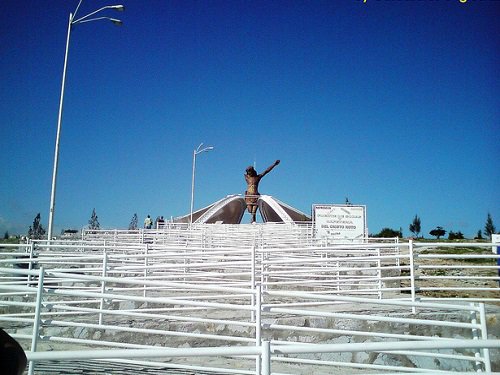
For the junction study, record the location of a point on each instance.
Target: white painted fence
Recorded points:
(61, 308)
(248, 303)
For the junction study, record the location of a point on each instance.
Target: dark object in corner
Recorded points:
(12, 357)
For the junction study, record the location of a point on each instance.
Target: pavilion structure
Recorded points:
(231, 209)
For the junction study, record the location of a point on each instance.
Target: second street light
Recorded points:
(197, 151)
(72, 22)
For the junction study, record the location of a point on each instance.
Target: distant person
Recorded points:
(498, 264)
(252, 192)
(12, 358)
(160, 223)
(148, 222)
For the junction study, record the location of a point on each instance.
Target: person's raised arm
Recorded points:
(269, 169)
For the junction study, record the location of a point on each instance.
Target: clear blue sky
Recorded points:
(393, 104)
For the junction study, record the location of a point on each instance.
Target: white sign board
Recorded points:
(335, 221)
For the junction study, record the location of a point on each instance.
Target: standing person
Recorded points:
(498, 264)
(148, 222)
(160, 223)
(252, 192)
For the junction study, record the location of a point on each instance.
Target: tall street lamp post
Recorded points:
(72, 22)
(198, 150)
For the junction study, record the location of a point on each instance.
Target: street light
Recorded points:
(198, 150)
(72, 22)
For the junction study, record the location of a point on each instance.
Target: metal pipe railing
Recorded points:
(77, 285)
(264, 351)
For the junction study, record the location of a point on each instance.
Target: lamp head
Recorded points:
(116, 22)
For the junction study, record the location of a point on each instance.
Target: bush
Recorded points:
(389, 233)
(455, 236)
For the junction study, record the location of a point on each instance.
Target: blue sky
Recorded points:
(393, 104)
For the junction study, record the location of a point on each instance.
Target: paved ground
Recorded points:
(106, 368)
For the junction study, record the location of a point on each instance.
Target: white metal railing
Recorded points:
(456, 270)
(191, 313)
(265, 351)
(102, 284)
(385, 270)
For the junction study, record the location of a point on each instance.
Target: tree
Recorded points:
(455, 236)
(415, 227)
(6, 235)
(489, 228)
(389, 233)
(438, 232)
(36, 231)
(93, 222)
(133, 223)
(479, 235)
